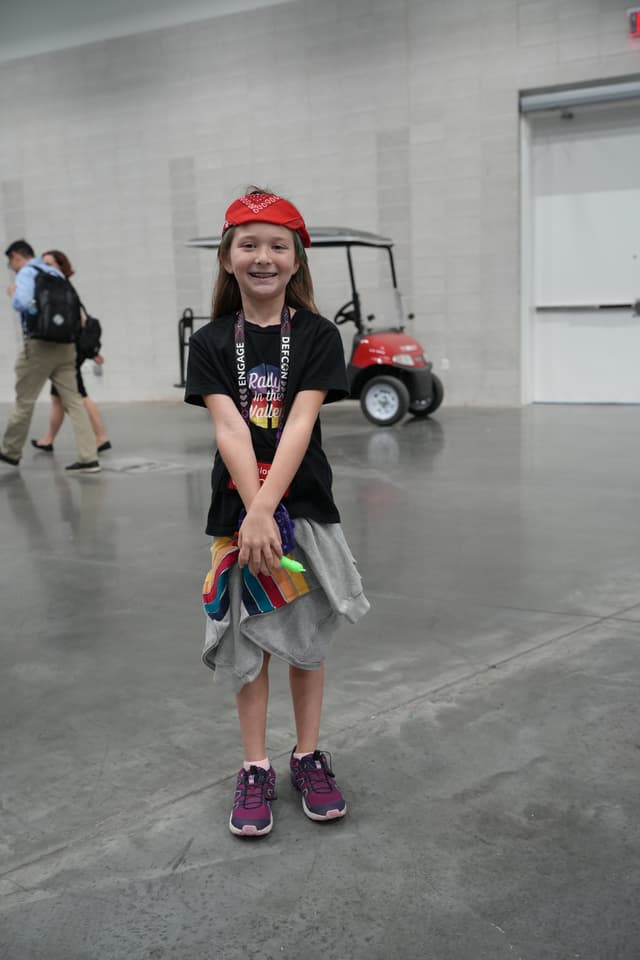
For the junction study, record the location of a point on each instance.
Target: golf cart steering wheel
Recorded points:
(345, 313)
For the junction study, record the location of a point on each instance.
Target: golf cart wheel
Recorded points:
(436, 399)
(384, 400)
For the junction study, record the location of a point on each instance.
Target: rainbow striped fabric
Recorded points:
(261, 594)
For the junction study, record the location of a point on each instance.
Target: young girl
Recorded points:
(56, 258)
(263, 367)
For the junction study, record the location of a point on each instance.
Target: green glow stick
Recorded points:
(293, 565)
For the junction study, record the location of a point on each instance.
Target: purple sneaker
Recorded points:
(313, 777)
(251, 814)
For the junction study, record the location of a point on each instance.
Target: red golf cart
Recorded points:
(387, 369)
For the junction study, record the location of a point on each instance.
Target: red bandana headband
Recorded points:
(266, 208)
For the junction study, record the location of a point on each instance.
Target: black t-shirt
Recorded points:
(316, 363)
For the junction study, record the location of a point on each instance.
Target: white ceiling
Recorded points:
(28, 27)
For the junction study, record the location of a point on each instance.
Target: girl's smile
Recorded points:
(262, 276)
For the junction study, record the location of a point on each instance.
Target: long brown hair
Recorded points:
(226, 292)
(62, 262)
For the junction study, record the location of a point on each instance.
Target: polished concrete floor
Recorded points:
(483, 719)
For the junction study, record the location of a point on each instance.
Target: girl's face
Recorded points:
(51, 261)
(262, 257)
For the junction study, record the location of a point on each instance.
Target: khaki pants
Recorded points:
(38, 362)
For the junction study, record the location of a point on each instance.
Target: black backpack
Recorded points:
(58, 309)
(88, 339)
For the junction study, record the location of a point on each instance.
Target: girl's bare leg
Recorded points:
(252, 702)
(56, 417)
(307, 687)
(96, 421)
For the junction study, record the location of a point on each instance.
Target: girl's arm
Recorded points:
(257, 545)
(234, 443)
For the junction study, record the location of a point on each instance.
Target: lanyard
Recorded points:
(241, 365)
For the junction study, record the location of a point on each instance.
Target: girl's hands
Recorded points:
(259, 542)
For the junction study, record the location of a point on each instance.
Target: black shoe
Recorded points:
(5, 459)
(45, 447)
(90, 466)
(103, 446)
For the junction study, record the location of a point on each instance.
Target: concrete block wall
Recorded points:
(398, 116)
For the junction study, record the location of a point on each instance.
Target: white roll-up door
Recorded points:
(585, 251)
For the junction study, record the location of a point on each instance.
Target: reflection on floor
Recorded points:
(483, 719)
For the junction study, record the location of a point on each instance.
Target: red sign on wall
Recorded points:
(634, 23)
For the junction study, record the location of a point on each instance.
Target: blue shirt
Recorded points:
(23, 298)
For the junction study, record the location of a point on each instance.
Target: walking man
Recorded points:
(39, 361)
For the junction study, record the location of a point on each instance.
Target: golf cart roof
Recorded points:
(320, 237)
